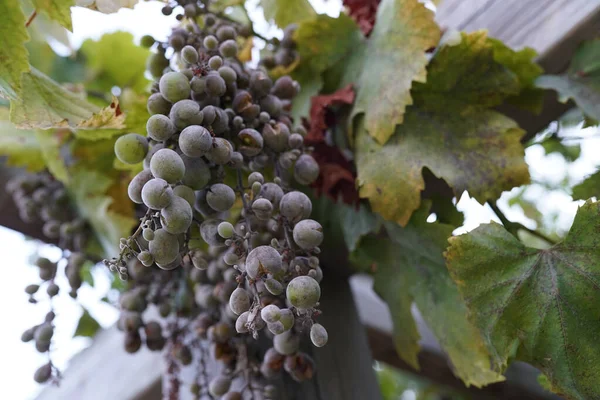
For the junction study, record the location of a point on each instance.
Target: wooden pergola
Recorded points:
(361, 326)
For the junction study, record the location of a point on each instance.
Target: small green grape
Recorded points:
(131, 148)
(174, 86)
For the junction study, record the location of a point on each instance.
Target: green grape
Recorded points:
(145, 257)
(177, 40)
(197, 173)
(262, 209)
(303, 292)
(148, 234)
(198, 261)
(210, 234)
(318, 335)
(157, 104)
(134, 190)
(28, 335)
(221, 151)
(164, 247)
(241, 321)
(189, 54)
(286, 318)
(186, 193)
(31, 289)
(44, 333)
(270, 314)
(215, 85)
(156, 64)
(251, 142)
(274, 287)
(228, 48)
(226, 32)
(185, 113)
(160, 127)
(147, 41)
(220, 197)
(219, 385)
(131, 148)
(306, 170)
(174, 86)
(276, 137)
(228, 74)
(176, 217)
(168, 165)
(286, 343)
(190, 11)
(225, 230)
(198, 85)
(52, 289)
(295, 206)
(239, 301)
(157, 194)
(308, 234)
(230, 258)
(276, 328)
(263, 260)
(43, 373)
(211, 42)
(215, 62)
(273, 193)
(195, 141)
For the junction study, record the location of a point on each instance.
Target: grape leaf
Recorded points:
(87, 325)
(13, 54)
(539, 306)
(581, 82)
(106, 6)
(449, 130)
(58, 10)
(554, 145)
(286, 12)
(45, 104)
(384, 67)
(126, 70)
(51, 142)
(590, 187)
(410, 268)
(20, 146)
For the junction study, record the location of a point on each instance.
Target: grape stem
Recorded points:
(514, 227)
(31, 18)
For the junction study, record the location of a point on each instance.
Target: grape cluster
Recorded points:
(40, 198)
(226, 250)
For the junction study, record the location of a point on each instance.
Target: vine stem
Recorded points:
(31, 18)
(514, 227)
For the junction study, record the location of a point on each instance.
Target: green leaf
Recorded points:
(51, 143)
(355, 223)
(58, 10)
(384, 66)
(86, 273)
(590, 187)
(410, 268)
(554, 145)
(13, 54)
(286, 12)
(87, 325)
(538, 306)
(45, 104)
(19, 145)
(115, 60)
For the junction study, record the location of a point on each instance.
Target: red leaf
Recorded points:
(363, 12)
(318, 112)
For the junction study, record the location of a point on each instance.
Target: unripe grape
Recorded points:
(276, 137)
(286, 318)
(185, 113)
(228, 74)
(239, 301)
(147, 41)
(241, 321)
(225, 229)
(131, 148)
(189, 54)
(295, 206)
(210, 234)
(270, 314)
(303, 292)
(210, 42)
(168, 165)
(198, 84)
(273, 193)
(308, 234)
(186, 193)
(255, 177)
(251, 142)
(157, 104)
(215, 62)
(165, 247)
(228, 48)
(28, 335)
(220, 197)
(176, 217)
(134, 190)
(306, 170)
(195, 141)
(219, 385)
(262, 209)
(215, 85)
(133, 342)
(274, 287)
(276, 328)
(174, 86)
(52, 289)
(198, 261)
(226, 32)
(44, 333)
(156, 64)
(197, 173)
(157, 194)
(286, 343)
(221, 151)
(160, 127)
(43, 373)
(145, 257)
(263, 260)
(31, 289)
(318, 335)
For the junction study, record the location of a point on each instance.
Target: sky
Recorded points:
(19, 360)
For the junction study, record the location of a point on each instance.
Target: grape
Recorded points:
(210, 114)
(186, 193)
(255, 177)
(225, 32)
(260, 83)
(164, 247)
(210, 42)
(274, 287)
(251, 142)
(262, 209)
(189, 54)
(185, 113)
(286, 343)
(198, 84)
(158, 105)
(239, 301)
(44, 333)
(177, 40)
(276, 137)
(228, 48)
(28, 335)
(157, 194)
(43, 373)
(215, 62)
(230, 258)
(286, 318)
(270, 314)
(221, 152)
(215, 85)
(168, 165)
(273, 193)
(219, 385)
(156, 64)
(271, 104)
(306, 170)
(195, 141)
(295, 206)
(133, 342)
(184, 355)
(276, 328)
(210, 234)
(295, 141)
(262, 260)
(145, 257)
(174, 86)
(198, 261)
(134, 190)
(232, 396)
(131, 148)
(221, 122)
(318, 335)
(225, 230)
(196, 174)
(284, 88)
(147, 41)
(228, 74)
(303, 292)
(31, 289)
(308, 234)
(300, 366)
(52, 289)
(160, 127)
(176, 217)
(220, 197)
